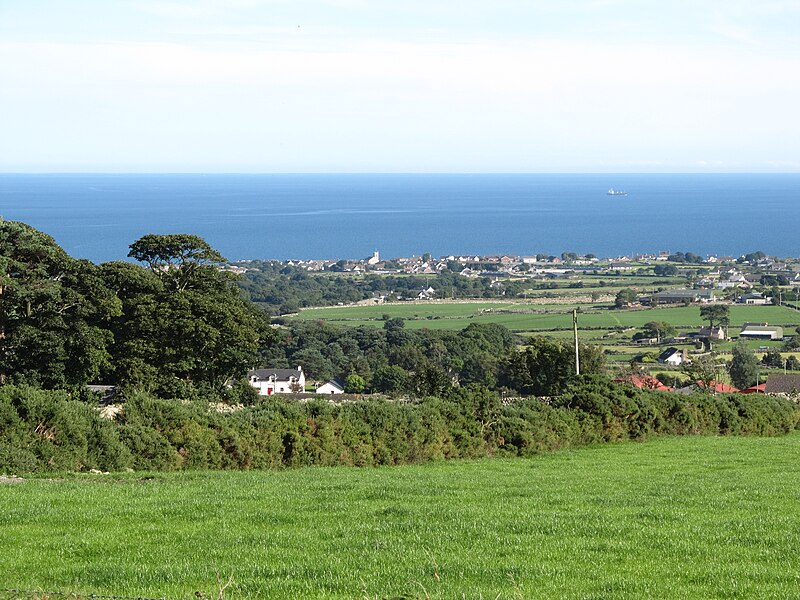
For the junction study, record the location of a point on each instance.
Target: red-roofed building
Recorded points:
(756, 389)
(642, 381)
(716, 387)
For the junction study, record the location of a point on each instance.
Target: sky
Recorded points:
(399, 86)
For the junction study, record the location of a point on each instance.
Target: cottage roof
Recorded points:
(278, 374)
(754, 389)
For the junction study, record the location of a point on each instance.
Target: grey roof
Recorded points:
(279, 374)
(783, 383)
(335, 381)
(667, 354)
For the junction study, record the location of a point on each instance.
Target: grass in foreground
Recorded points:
(678, 517)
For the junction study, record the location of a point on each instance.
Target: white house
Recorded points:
(671, 356)
(277, 381)
(334, 386)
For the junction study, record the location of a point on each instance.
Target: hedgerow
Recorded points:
(48, 431)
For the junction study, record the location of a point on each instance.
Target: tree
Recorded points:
(546, 366)
(390, 379)
(184, 324)
(703, 371)
(625, 297)
(744, 366)
(716, 313)
(752, 257)
(175, 258)
(773, 358)
(394, 324)
(657, 329)
(53, 312)
(665, 270)
(355, 384)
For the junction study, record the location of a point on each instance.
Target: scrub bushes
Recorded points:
(47, 431)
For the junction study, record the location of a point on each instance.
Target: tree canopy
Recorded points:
(175, 258)
(744, 366)
(54, 311)
(174, 327)
(716, 313)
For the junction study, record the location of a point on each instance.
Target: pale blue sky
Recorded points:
(399, 85)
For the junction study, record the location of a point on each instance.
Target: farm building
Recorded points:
(679, 297)
(761, 331)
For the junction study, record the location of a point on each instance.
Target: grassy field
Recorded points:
(519, 316)
(671, 518)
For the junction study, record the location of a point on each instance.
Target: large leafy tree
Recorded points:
(744, 366)
(179, 259)
(184, 324)
(54, 312)
(625, 297)
(656, 329)
(546, 366)
(716, 313)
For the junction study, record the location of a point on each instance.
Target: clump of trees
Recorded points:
(177, 326)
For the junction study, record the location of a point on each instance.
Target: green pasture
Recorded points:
(405, 310)
(518, 316)
(670, 518)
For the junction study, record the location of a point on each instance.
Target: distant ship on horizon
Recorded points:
(613, 192)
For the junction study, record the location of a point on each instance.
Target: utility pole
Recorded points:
(575, 331)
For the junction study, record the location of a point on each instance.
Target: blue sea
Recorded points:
(97, 216)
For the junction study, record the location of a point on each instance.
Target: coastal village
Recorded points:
(710, 278)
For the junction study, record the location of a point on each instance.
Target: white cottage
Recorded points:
(277, 381)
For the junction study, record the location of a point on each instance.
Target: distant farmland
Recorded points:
(526, 317)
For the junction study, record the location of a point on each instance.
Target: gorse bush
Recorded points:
(43, 430)
(48, 431)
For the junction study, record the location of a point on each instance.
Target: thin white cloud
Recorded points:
(261, 92)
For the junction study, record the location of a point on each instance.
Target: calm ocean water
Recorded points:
(349, 216)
